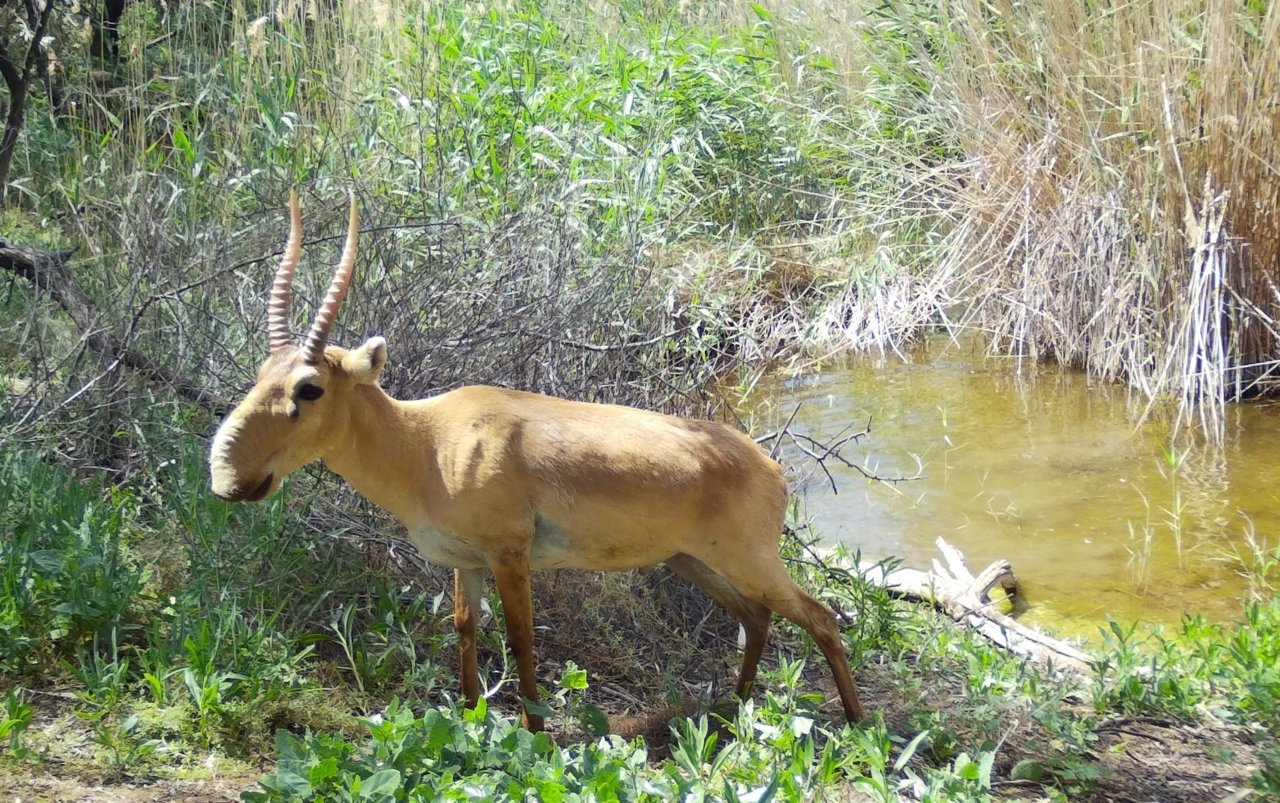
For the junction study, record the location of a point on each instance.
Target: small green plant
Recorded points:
(441, 755)
(1234, 665)
(884, 779)
(1259, 563)
(104, 683)
(66, 577)
(209, 692)
(124, 746)
(1143, 674)
(379, 642)
(353, 646)
(1267, 780)
(963, 779)
(15, 722)
(569, 695)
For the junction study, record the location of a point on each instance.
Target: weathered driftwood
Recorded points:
(954, 590)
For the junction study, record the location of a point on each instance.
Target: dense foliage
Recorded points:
(640, 204)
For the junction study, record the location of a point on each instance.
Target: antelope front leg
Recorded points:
(512, 579)
(468, 584)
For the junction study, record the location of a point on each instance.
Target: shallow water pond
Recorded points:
(1037, 464)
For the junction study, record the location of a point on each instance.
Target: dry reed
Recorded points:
(1119, 212)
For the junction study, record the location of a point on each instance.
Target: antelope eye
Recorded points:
(310, 392)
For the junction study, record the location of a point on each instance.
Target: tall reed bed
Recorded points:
(1117, 208)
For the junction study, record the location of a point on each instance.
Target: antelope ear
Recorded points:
(365, 363)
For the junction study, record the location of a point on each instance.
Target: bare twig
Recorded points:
(48, 273)
(819, 451)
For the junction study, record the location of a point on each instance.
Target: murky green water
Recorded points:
(1036, 464)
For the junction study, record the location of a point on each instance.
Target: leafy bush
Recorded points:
(66, 577)
(1236, 664)
(441, 756)
(774, 749)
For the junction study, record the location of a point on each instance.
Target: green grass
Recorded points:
(191, 627)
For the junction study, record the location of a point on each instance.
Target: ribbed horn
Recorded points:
(282, 288)
(319, 334)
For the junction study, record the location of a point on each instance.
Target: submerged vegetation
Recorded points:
(639, 205)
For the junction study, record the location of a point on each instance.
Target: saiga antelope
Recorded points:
(488, 478)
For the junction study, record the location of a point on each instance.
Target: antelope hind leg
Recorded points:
(767, 582)
(753, 616)
(512, 579)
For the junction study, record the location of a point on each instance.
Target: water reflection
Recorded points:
(1039, 465)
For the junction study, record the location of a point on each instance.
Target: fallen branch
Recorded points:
(955, 591)
(48, 272)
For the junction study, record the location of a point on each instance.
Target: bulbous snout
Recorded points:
(237, 472)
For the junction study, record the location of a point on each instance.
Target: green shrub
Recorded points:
(67, 580)
(1236, 665)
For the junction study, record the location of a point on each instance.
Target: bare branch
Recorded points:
(48, 273)
(822, 451)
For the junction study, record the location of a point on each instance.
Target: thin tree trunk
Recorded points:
(17, 78)
(17, 84)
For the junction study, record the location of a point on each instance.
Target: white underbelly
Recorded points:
(551, 548)
(443, 549)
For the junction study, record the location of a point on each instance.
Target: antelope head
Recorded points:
(296, 411)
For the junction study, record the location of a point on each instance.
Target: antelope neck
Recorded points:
(386, 452)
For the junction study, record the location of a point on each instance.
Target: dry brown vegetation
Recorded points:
(1090, 182)
(1118, 204)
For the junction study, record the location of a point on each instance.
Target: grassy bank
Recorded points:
(633, 205)
(175, 637)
